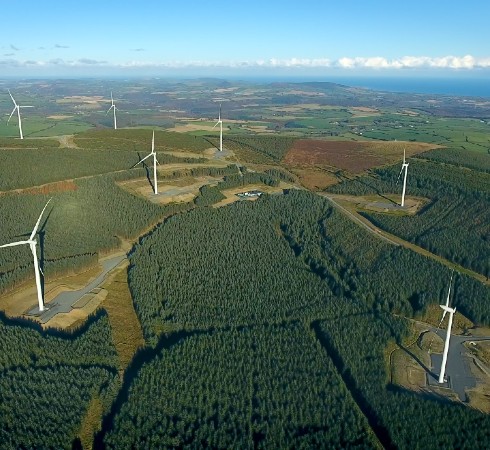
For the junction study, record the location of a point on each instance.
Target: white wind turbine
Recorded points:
(113, 107)
(404, 166)
(32, 243)
(220, 123)
(447, 298)
(451, 312)
(155, 162)
(17, 107)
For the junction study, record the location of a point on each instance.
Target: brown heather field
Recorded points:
(351, 156)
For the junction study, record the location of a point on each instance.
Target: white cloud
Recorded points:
(410, 62)
(466, 62)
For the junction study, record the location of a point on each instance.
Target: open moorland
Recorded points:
(194, 317)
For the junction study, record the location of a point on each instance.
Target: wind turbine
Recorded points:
(113, 107)
(220, 123)
(447, 299)
(451, 312)
(32, 243)
(155, 162)
(17, 107)
(404, 166)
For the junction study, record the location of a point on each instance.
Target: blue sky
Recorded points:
(266, 37)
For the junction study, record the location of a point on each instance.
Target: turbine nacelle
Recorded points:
(220, 123)
(32, 244)
(155, 162)
(447, 309)
(113, 107)
(17, 107)
(404, 167)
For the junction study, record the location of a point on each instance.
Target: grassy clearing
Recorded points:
(91, 423)
(126, 329)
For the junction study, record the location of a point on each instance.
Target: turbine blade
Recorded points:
(443, 315)
(449, 289)
(153, 142)
(399, 175)
(217, 123)
(26, 106)
(11, 114)
(12, 98)
(141, 160)
(403, 156)
(14, 244)
(34, 231)
(109, 110)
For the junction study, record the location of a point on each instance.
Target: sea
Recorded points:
(459, 86)
(473, 87)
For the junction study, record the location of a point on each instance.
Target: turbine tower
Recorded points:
(32, 244)
(17, 107)
(155, 162)
(404, 166)
(113, 107)
(220, 122)
(451, 312)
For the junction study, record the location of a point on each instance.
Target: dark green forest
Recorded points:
(77, 226)
(266, 323)
(47, 381)
(458, 205)
(300, 261)
(259, 387)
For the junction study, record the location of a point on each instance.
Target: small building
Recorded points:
(250, 194)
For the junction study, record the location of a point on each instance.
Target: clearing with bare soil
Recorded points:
(351, 156)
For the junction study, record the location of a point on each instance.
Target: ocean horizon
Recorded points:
(464, 86)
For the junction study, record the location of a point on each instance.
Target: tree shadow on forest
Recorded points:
(26, 322)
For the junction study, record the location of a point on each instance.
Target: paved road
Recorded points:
(395, 240)
(354, 217)
(458, 366)
(63, 302)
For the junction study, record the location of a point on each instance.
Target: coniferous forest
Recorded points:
(265, 324)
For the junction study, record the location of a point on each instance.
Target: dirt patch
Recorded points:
(180, 190)
(24, 297)
(184, 154)
(67, 141)
(82, 99)
(351, 156)
(315, 179)
(231, 196)
(60, 117)
(58, 186)
(361, 111)
(406, 371)
(384, 204)
(192, 127)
